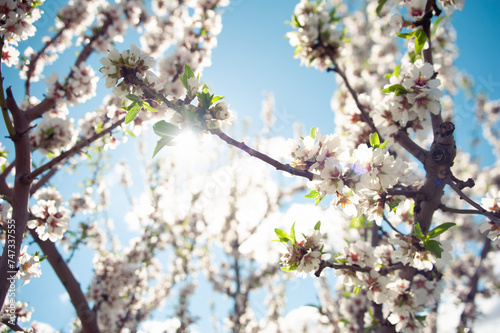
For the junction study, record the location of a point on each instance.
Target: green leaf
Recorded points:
(132, 112)
(317, 226)
(434, 246)
(413, 57)
(420, 40)
(421, 320)
(98, 127)
(134, 98)
(418, 231)
(162, 128)
(393, 205)
(184, 81)
(383, 144)
(436, 25)
(217, 98)
(407, 35)
(398, 89)
(289, 269)
(312, 133)
(396, 71)
(292, 233)
(318, 200)
(313, 194)
(164, 141)
(204, 97)
(296, 21)
(147, 106)
(440, 229)
(374, 140)
(381, 4)
(188, 72)
(282, 235)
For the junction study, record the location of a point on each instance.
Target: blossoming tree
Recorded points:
(406, 223)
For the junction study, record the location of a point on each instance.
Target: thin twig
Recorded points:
(88, 317)
(263, 157)
(474, 281)
(460, 211)
(364, 114)
(324, 264)
(30, 177)
(480, 210)
(392, 227)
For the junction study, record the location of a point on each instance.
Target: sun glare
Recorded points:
(188, 145)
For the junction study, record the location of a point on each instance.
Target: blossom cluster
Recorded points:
(303, 256)
(129, 70)
(416, 255)
(51, 217)
(412, 94)
(416, 9)
(80, 85)
(29, 266)
(210, 112)
(54, 133)
(318, 35)
(16, 24)
(353, 176)
(402, 299)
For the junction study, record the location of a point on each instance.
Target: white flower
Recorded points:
(29, 266)
(52, 223)
(416, 8)
(10, 55)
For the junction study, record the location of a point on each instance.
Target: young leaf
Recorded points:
(381, 4)
(418, 231)
(434, 247)
(313, 194)
(318, 200)
(312, 134)
(145, 105)
(282, 235)
(134, 98)
(217, 98)
(396, 71)
(292, 233)
(133, 110)
(374, 140)
(317, 226)
(420, 40)
(164, 141)
(407, 35)
(440, 229)
(289, 269)
(188, 72)
(162, 128)
(398, 89)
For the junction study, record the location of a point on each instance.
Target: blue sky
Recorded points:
(252, 57)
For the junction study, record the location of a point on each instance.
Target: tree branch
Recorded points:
(474, 282)
(263, 157)
(14, 327)
(409, 145)
(324, 264)
(34, 60)
(480, 210)
(87, 316)
(20, 192)
(30, 177)
(364, 114)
